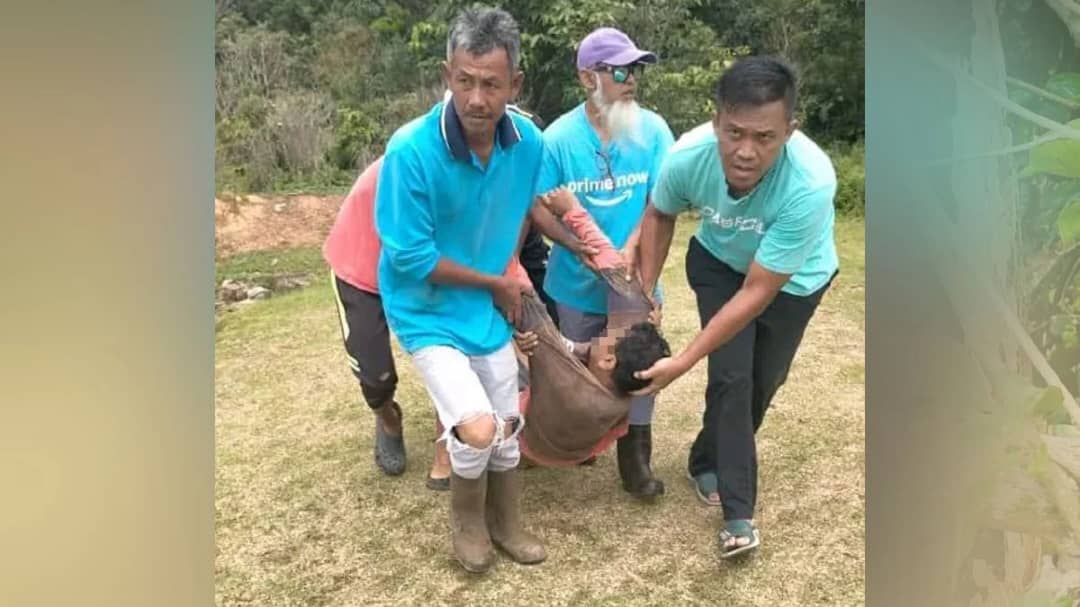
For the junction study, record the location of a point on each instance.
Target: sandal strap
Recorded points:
(707, 483)
(739, 527)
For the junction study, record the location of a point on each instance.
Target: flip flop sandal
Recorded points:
(704, 484)
(437, 484)
(738, 528)
(390, 450)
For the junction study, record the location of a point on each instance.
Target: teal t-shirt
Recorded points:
(785, 224)
(612, 184)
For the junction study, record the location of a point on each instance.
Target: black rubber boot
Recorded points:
(635, 455)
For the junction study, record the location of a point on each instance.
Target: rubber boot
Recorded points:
(472, 544)
(504, 519)
(634, 452)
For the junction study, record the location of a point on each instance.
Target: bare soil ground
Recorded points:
(253, 223)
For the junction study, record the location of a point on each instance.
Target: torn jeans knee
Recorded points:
(506, 452)
(467, 461)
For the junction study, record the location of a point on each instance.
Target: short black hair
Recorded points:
(642, 346)
(755, 81)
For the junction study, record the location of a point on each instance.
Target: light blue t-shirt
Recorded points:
(785, 223)
(612, 184)
(434, 199)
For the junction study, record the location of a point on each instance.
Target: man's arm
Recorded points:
(633, 252)
(406, 225)
(561, 203)
(667, 198)
(657, 230)
(756, 293)
(551, 227)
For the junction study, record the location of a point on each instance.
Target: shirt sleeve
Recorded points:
(403, 215)
(550, 175)
(793, 237)
(669, 194)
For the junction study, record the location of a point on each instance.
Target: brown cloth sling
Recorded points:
(570, 415)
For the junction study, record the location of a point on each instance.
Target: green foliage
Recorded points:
(1065, 84)
(357, 132)
(1068, 222)
(367, 67)
(823, 39)
(850, 168)
(1060, 157)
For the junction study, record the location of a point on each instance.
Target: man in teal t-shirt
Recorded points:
(607, 151)
(759, 264)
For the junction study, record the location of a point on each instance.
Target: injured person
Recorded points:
(577, 395)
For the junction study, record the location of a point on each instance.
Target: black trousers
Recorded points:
(744, 375)
(367, 342)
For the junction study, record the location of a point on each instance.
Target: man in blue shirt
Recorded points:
(452, 197)
(607, 151)
(759, 263)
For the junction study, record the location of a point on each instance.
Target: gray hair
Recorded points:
(481, 30)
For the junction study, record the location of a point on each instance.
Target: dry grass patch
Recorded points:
(304, 517)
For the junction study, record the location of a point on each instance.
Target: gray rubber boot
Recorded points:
(472, 544)
(504, 519)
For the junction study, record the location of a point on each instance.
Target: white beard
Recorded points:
(622, 118)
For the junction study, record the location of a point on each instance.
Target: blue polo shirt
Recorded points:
(785, 223)
(613, 185)
(435, 200)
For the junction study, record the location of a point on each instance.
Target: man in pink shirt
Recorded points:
(352, 251)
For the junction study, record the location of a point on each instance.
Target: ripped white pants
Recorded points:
(465, 388)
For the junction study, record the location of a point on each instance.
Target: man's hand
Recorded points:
(507, 294)
(559, 201)
(656, 315)
(662, 373)
(656, 312)
(526, 341)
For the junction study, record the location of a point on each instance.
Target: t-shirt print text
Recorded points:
(739, 223)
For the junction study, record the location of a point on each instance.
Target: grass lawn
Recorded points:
(304, 518)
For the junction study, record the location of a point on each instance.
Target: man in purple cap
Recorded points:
(607, 151)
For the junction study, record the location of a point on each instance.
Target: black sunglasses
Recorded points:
(621, 73)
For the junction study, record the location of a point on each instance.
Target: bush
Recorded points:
(850, 179)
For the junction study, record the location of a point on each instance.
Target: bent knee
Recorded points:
(478, 433)
(380, 391)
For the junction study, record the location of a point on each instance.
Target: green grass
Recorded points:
(304, 518)
(262, 266)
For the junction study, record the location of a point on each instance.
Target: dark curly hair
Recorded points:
(642, 346)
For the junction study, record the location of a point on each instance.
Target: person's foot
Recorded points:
(706, 487)
(738, 536)
(439, 477)
(468, 527)
(633, 455)
(389, 442)
(388, 417)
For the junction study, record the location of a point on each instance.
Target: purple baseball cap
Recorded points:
(610, 46)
